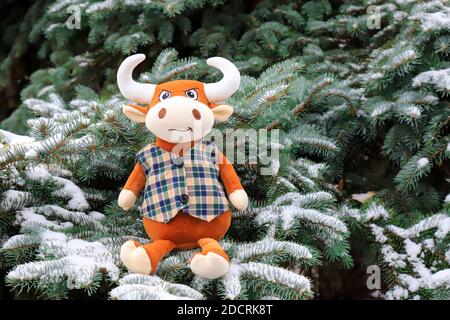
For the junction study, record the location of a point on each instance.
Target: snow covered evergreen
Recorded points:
(363, 119)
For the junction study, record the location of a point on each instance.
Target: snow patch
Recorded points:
(71, 190)
(429, 244)
(38, 173)
(76, 260)
(440, 79)
(422, 162)
(378, 233)
(375, 212)
(68, 188)
(394, 259)
(143, 287)
(54, 105)
(12, 138)
(10, 198)
(434, 21)
(397, 293)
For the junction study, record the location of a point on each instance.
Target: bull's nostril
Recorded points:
(196, 114)
(162, 113)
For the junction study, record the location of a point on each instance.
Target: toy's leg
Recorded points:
(144, 258)
(212, 262)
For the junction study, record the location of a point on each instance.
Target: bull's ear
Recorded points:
(135, 113)
(222, 112)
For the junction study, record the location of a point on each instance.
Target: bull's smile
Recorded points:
(182, 130)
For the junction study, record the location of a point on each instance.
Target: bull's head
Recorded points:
(182, 110)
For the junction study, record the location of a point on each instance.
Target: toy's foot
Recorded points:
(210, 265)
(135, 258)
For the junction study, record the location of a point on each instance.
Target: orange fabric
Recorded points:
(156, 250)
(177, 88)
(140, 108)
(211, 245)
(185, 230)
(136, 180)
(228, 175)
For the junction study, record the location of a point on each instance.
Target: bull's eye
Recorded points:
(164, 95)
(192, 94)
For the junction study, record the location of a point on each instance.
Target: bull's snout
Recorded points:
(162, 113)
(180, 119)
(197, 115)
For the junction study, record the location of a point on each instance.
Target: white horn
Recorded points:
(229, 84)
(130, 89)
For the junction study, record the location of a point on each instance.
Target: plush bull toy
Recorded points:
(185, 179)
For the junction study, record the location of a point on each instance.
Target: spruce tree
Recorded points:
(361, 110)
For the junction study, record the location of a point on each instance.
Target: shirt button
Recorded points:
(184, 198)
(178, 162)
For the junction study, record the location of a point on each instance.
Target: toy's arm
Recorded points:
(132, 188)
(236, 193)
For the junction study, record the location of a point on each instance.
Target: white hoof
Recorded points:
(135, 258)
(239, 199)
(126, 249)
(209, 266)
(126, 199)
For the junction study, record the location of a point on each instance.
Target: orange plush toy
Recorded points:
(185, 180)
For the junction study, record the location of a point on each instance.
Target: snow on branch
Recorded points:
(76, 261)
(375, 212)
(20, 240)
(289, 215)
(76, 217)
(422, 277)
(440, 79)
(29, 219)
(420, 261)
(251, 250)
(55, 105)
(434, 21)
(276, 275)
(393, 258)
(347, 212)
(232, 281)
(7, 137)
(440, 221)
(143, 287)
(233, 286)
(378, 233)
(304, 200)
(68, 189)
(13, 200)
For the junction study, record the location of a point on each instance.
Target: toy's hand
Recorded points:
(239, 199)
(126, 199)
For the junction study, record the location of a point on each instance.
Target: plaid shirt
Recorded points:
(189, 183)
